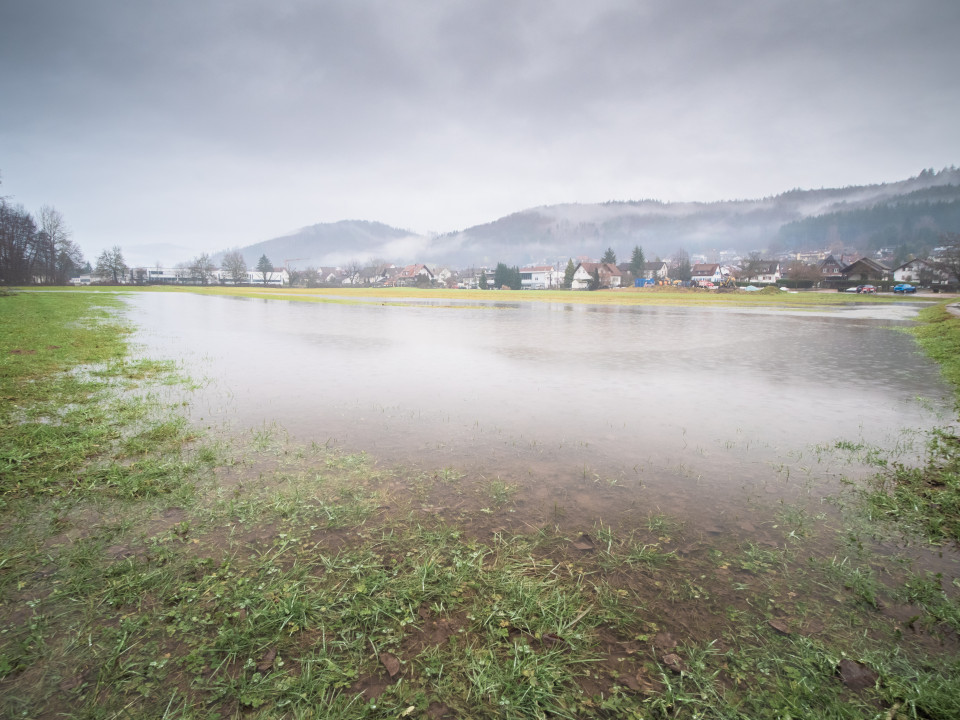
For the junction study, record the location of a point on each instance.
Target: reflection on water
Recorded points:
(689, 400)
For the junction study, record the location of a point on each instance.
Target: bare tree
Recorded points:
(800, 271)
(949, 257)
(17, 244)
(310, 277)
(352, 271)
(752, 265)
(66, 258)
(681, 265)
(202, 268)
(181, 271)
(111, 266)
(235, 266)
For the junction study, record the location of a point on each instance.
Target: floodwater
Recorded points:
(683, 402)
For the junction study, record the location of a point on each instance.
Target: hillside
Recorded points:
(910, 212)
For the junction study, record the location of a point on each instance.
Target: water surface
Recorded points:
(686, 402)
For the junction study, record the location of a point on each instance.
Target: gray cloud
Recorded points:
(211, 124)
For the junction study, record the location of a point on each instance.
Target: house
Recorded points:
(274, 277)
(764, 272)
(706, 272)
(609, 274)
(537, 277)
(916, 271)
(413, 275)
(831, 268)
(944, 278)
(865, 270)
(442, 275)
(656, 270)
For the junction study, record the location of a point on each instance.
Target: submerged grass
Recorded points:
(925, 499)
(619, 296)
(147, 572)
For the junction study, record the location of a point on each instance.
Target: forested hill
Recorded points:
(914, 223)
(910, 211)
(909, 214)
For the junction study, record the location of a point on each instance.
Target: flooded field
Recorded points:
(446, 509)
(683, 405)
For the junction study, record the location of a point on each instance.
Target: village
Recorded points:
(822, 270)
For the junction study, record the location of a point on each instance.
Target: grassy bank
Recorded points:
(926, 499)
(620, 297)
(149, 571)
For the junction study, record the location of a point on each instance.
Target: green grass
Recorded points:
(464, 298)
(925, 500)
(148, 571)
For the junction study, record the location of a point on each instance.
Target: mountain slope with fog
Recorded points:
(915, 211)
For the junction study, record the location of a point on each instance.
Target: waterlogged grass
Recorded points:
(925, 500)
(264, 603)
(148, 572)
(462, 298)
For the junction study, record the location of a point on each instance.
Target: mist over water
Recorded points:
(687, 402)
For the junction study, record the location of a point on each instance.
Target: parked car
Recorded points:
(904, 288)
(866, 289)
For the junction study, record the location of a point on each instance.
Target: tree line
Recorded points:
(36, 250)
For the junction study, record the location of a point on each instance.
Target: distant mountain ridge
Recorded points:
(915, 210)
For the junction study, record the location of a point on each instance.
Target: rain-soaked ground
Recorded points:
(689, 410)
(630, 497)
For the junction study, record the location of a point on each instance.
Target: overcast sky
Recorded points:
(171, 127)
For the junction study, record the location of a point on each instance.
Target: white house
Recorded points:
(706, 272)
(914, 271)
(537, 277)
(609, 274)
(656, 270)
(277, 277)
(766, 272)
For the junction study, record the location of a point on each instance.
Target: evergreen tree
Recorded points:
(568, 275)
(482, 282)
(505, 276)
(638, 262)
(265, 268)
(609, 257)
(683, 269)
(501, 276)
(594, 283)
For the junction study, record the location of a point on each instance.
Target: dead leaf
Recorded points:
(645, 686)
(584, 543)
(664, 641)
(391, 663)
(856, 676)
(673, 662)
(780, 626)
(266, 662)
